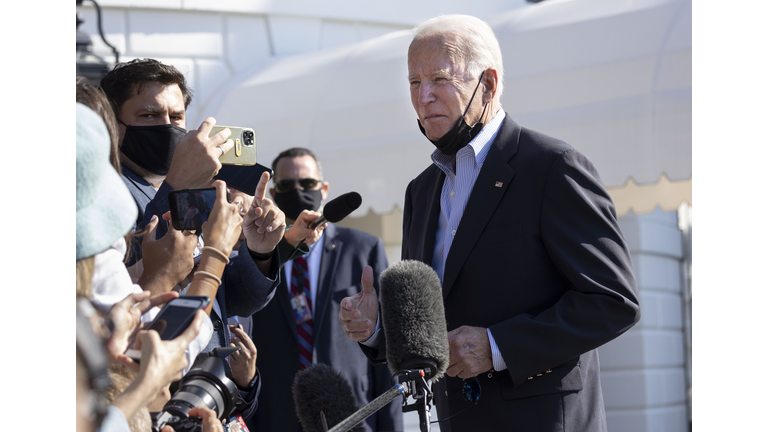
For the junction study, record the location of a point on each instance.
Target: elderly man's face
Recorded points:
(439, 92)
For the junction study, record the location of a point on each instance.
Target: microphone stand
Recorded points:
(422, 395)
(415, 385)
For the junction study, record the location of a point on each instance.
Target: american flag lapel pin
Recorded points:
(499, 184)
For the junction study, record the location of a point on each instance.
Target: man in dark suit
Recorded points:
(534, 269)
(299, 326)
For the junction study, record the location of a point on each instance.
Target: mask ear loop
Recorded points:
(480, 80)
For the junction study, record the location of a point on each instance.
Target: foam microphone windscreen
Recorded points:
(413, 316)
(341, 206)
(320, 387)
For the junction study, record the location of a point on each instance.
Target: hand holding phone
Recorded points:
(190, 208)
(173, 319)
(244, 150)
(124, 319)
(224, 225)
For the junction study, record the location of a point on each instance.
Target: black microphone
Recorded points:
(338, 208)
(322, 389)
(413, 318)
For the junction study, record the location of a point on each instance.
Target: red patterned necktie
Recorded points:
(300, 278)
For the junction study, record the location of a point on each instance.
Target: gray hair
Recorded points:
(475, 39)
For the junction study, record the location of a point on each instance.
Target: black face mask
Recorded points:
(152, 147)
(292, 203)
(461, 134)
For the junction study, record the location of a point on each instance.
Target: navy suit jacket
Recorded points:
(345, 253)
(539, 259)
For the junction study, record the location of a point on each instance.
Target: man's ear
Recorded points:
(491, 84)
(324, 190)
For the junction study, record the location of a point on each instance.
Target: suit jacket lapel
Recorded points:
(331, 251)
(423, 246)
(483, 200)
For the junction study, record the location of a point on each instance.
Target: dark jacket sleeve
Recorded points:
(581, 234)
(250, 397)
(247, 289)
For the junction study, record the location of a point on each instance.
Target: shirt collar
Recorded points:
(479, 145)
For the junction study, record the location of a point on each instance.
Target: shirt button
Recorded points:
(453, 232)
(453, 193)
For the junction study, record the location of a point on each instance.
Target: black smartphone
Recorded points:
(242, 178)
(191, 207)
(174, 318)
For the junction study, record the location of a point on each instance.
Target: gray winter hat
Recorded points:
(105, 209)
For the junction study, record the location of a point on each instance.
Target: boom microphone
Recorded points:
(338, 208)
(413, 318)
(321, 388)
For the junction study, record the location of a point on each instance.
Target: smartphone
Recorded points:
(244, 151)
(243, 178)
(174, 318)
(191, 207)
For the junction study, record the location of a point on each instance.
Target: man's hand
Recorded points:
(264, 223)
(359, 313)
(243, 362)
(222, 229)
(470, 352)
(300, 229)
(166, 261)
(196, 159)
(126, 318)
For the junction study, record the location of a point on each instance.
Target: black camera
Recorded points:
(206, 384)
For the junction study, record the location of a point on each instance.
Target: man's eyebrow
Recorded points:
(155, 110)
(151, 108)
(442, 72)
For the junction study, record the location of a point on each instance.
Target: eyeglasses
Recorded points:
(287, 185)
(471, 390)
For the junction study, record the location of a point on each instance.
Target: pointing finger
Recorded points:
(261, 188)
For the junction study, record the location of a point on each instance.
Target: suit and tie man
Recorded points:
(535, 271)
(299, 327)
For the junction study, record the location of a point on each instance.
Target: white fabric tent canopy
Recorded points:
(611, 78)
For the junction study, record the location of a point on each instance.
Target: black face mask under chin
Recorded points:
(293, 202)
(461, 134)
(152, 147)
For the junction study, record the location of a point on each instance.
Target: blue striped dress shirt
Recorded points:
(457, 187)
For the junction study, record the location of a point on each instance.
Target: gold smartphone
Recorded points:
(244, 151)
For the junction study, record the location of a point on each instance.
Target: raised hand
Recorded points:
(196, 159)
(300, 229)
(243, 362)
(222, 229)
(125, 318)
(359, 313)
(264, 224)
